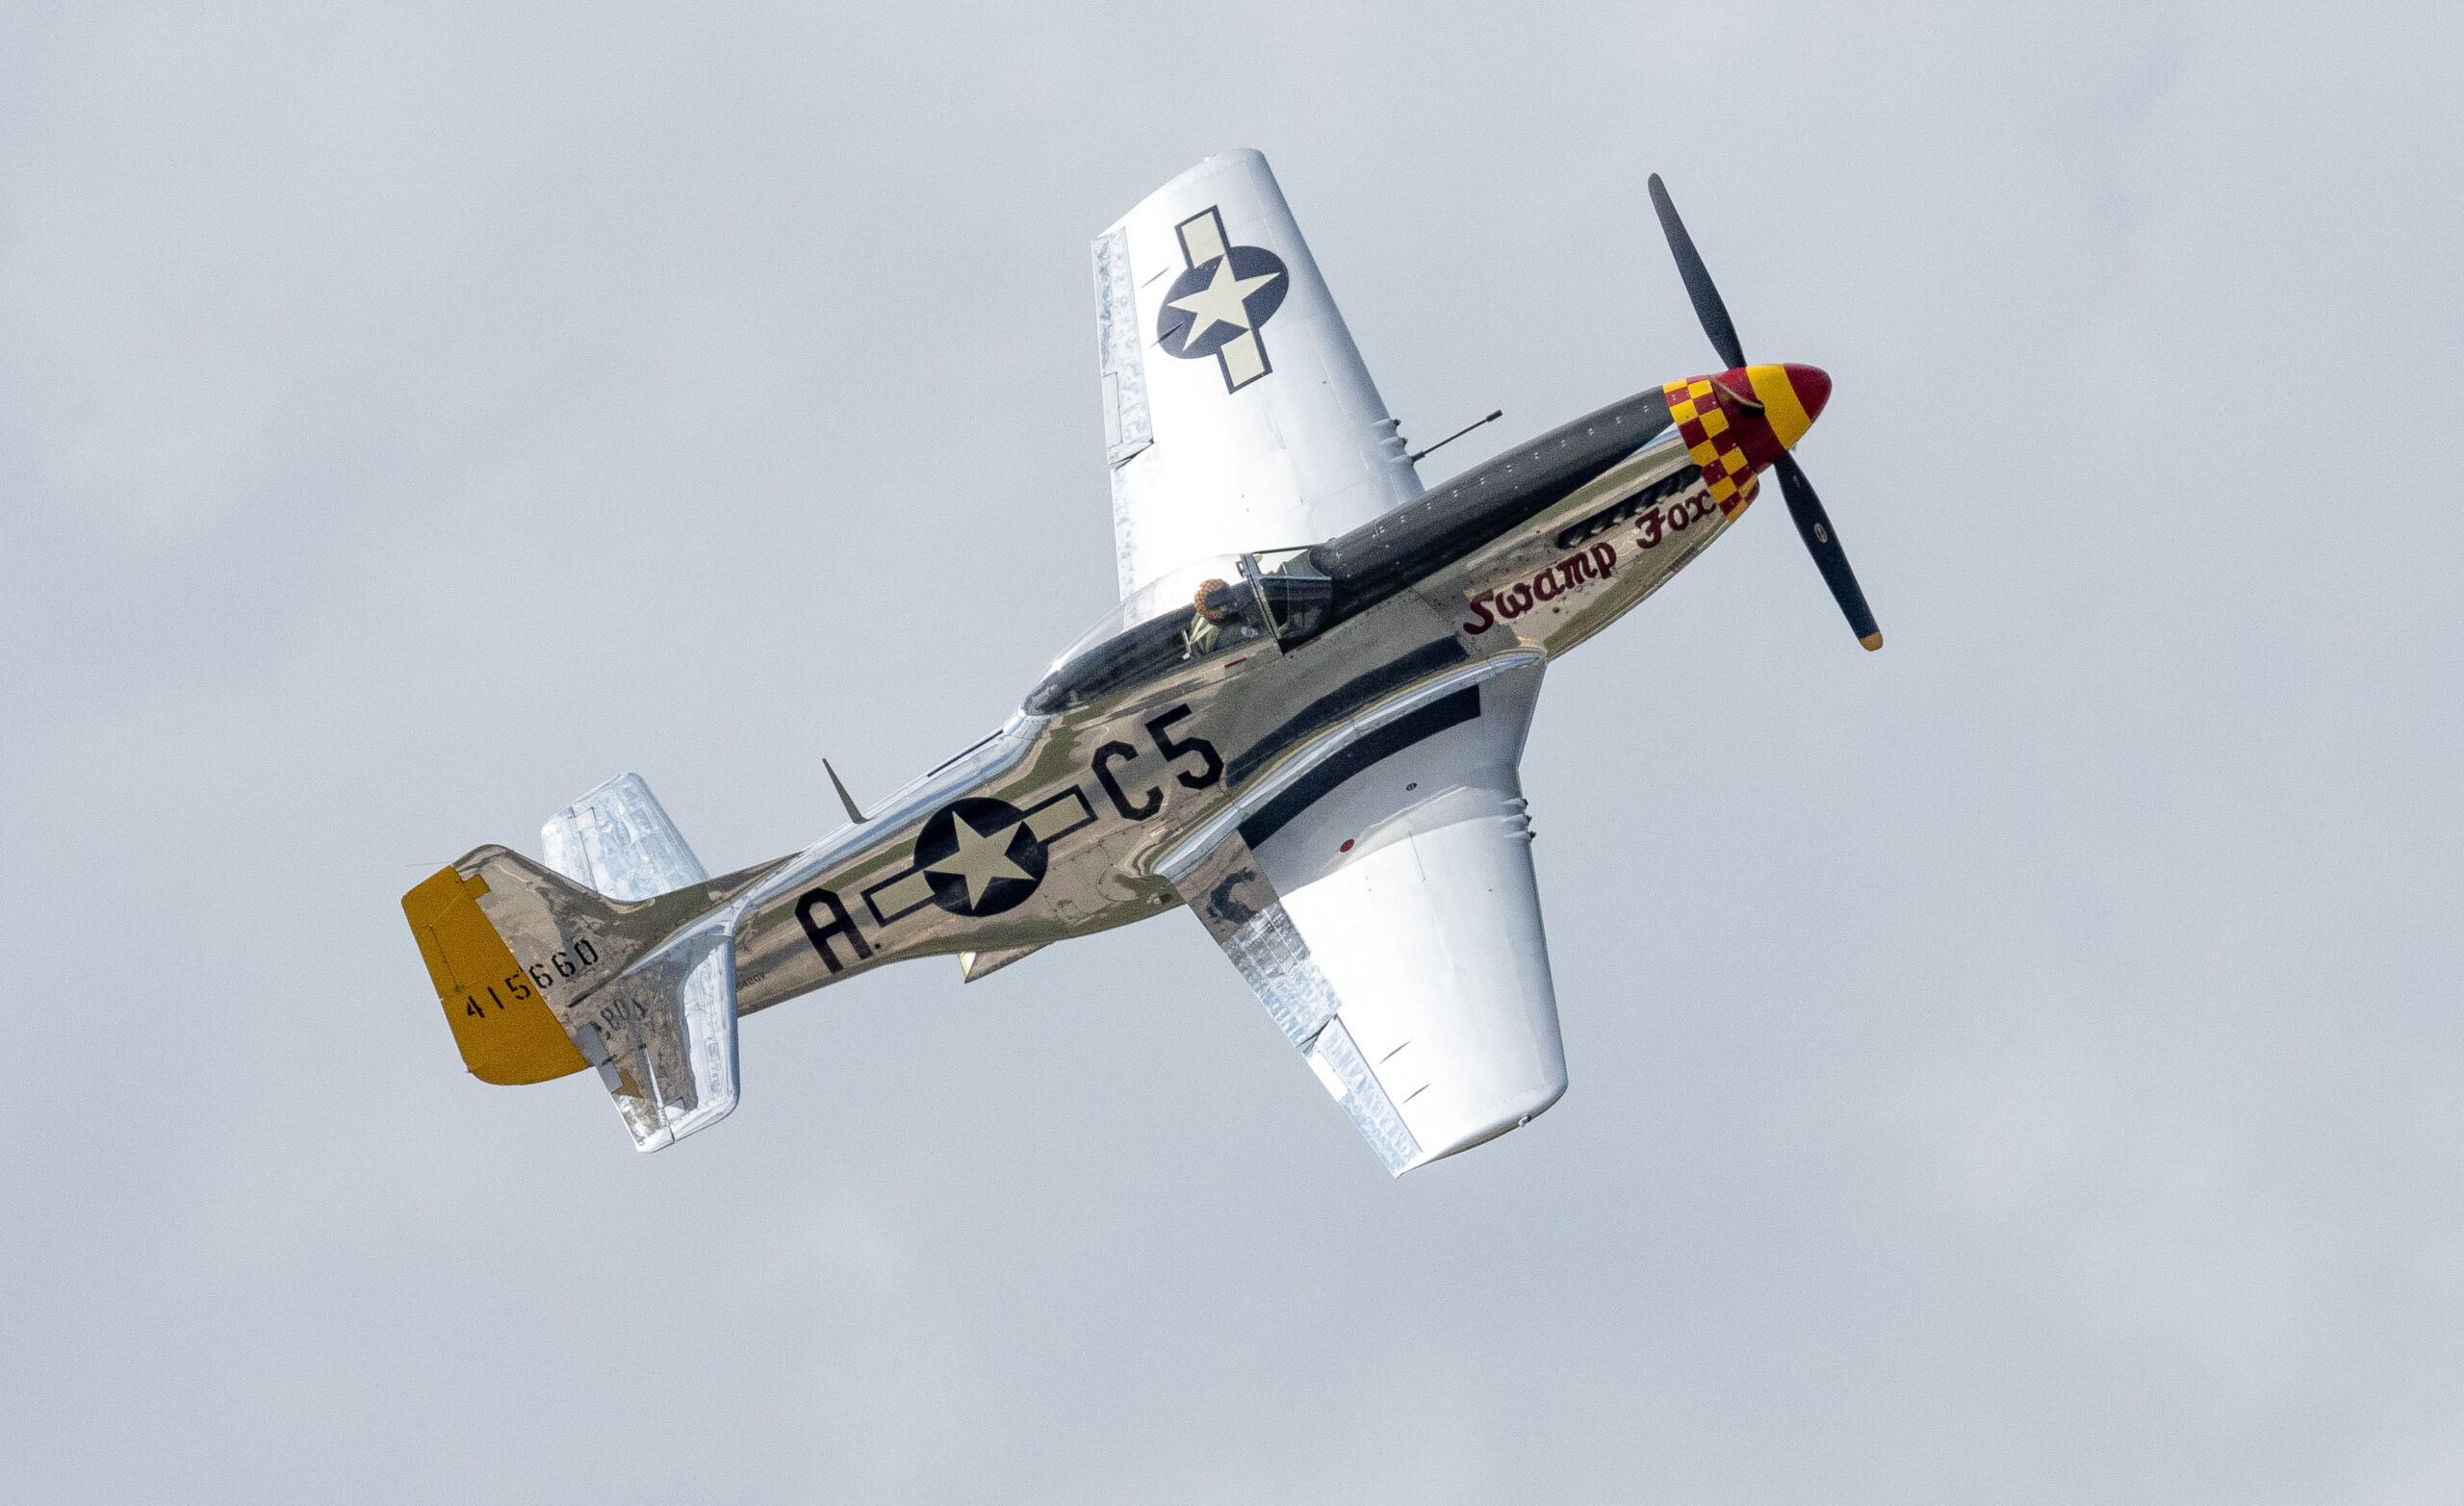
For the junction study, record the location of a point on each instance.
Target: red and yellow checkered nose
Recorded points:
(1737, 423)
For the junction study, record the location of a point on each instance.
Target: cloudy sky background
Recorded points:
(2022, 1065)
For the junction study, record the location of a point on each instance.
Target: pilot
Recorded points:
(1206, 628)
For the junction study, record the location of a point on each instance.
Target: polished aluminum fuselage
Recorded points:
(1125, 792)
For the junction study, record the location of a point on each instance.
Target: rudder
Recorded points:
(505, 1030)
(540, 977)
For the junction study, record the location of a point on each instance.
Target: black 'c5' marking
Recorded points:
(1122, 753)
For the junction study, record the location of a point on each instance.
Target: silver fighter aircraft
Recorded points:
(1303, 721)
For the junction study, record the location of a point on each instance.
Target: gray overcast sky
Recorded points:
(2019, 1066)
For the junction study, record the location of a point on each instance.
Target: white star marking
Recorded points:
(981, 860)
(1223, 301)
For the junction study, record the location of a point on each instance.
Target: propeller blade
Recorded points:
(1822, 540)
(1707, 306)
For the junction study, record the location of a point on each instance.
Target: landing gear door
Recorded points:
(1292, 590)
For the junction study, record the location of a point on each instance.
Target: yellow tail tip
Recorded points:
(506, 1030)
(1871, 641)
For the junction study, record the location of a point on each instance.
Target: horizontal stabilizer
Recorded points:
(663, 1039)
(619, 841)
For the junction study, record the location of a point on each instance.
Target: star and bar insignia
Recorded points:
(1216, 306)
(979, 856)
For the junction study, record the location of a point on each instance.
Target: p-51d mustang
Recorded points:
(1303, 721)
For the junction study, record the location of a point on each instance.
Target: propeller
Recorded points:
(1813, 525)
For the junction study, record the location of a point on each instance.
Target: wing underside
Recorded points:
(1380, 901)
(1238, 413)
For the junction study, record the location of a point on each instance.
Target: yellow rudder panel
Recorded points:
(504, 1029)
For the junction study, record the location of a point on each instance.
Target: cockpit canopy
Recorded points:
(1203, 608)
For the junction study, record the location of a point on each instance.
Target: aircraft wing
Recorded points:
(1378, 896)
(1238, 415)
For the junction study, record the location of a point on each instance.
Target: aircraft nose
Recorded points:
(1792, 397)
(1813, 386)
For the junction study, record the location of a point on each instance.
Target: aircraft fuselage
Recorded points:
(1145, 747)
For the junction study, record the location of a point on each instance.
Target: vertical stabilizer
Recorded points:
(540, 977)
